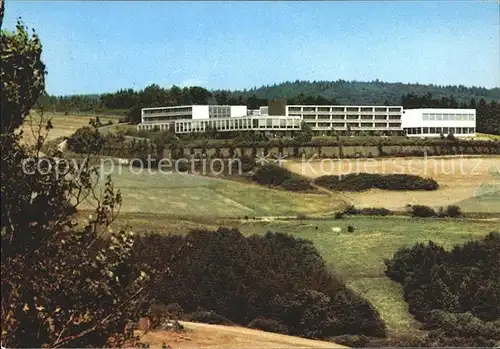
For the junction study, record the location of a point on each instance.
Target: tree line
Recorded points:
(129, 102)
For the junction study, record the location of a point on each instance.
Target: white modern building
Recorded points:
(196, 112)
(323, 119)
(224, 118)
(368, 119)
(434, 122)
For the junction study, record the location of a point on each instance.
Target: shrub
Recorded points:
(465, 279)
(85, 139)
(208, 317)
(422, 211)
(366, 181)
(453, 211)
(350, 229)
(268, 325)
(247, 163)
(339, 215)
(369, 211)
(275, 276)
(296, 184)
(352, 341)
(271, 175)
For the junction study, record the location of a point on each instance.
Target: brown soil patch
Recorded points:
(200, 335)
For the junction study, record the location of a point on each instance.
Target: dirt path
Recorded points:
(200, 335)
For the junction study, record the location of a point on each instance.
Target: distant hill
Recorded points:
(365, 93)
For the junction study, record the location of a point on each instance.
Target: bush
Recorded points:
(271, 175)
(275, 276)
(422, 211)
(453, 211)
(339, 215)
(465, 279)
(268, 325)
(350, 229)
(366, 181)
(247, 163)
(85, 139)
(296, 184)
(352, 341)
(208, 317)
(369, 211)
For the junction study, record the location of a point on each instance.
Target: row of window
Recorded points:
(168, 110)
(153, 119)
(439, 130)
(349, 117)
(447, 116)
(237, 124)
(362, 124)
(344, 109)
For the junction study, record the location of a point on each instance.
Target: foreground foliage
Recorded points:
(63, 284)
(276, 277)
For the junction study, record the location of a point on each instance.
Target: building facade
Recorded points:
(435, 122)
(355, 119)
(198, 112)
(323, 119)
(266, 123)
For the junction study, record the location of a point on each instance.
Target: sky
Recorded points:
(96, 47)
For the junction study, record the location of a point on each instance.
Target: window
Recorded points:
(439, 116)
(426, 130)
(339, 124)
(380, 117)
(366, 109)
(432, 116)
(366, 124)
(352, 117)
(352, 108)
(471, 130)
(459, 130)
(433, 130)
(425, 116)
(327, 109)
(338, 109)
(366, 117)
(324, 117)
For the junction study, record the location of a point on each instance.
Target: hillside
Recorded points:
(365, 93)
(199, 335)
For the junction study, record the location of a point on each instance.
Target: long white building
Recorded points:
(434, 122)
(323, 119)
(367, 119)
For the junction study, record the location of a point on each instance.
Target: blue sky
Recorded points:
(94, 47)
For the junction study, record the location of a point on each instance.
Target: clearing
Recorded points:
(64, 125)
(188, 196)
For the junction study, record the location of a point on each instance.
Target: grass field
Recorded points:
(179, 195)
(359, 257)
(64, 125)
